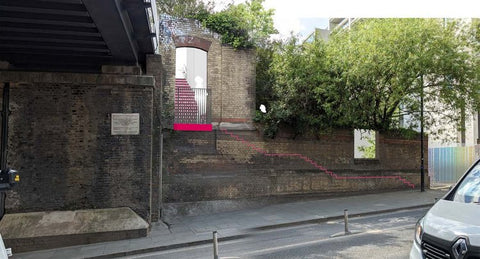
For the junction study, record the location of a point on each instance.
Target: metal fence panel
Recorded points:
(448, 164)
(192, 105)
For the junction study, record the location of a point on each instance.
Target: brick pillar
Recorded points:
(154, 68)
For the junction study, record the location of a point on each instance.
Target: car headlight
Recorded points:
(419, 231)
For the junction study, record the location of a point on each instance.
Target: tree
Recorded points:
(287, 86)
(380, 68)
(369, 76)
(264, 75)
(229, 27)
(254, 19)
(244, 25)
(185, 8)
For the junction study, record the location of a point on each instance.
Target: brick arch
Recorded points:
(192, 41)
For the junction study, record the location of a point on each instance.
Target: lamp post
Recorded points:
(422, 175)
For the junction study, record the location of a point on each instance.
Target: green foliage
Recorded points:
(254, 19)
(229, 27)
(265, 77)
(370, 75)
(185, 8)
(383, 64)
(403, 133)
(242, 26)
(292, 72)
(368, 151)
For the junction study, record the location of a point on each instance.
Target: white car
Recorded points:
(451, 228)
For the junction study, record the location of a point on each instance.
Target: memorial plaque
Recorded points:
(125, 123)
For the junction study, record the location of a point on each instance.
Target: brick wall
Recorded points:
(61, 144)
(202, 166)
(238, 86)
(230, 72)
(154, 68)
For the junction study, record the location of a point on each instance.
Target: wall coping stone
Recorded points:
(77, 78)
(233, 126)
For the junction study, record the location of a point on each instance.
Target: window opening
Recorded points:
(364, 143)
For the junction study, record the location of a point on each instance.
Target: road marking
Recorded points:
(284, 247)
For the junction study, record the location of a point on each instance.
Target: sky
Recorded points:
(302, 16)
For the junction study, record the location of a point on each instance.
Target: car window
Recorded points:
(469, 189)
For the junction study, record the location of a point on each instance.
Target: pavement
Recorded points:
(184, 231)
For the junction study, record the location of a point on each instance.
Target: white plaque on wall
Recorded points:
(125, 123)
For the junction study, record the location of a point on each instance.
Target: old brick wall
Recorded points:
(202, 166)
(230, 72)
(154, 68)
(237, 102)
(396, 150)
(60, 142)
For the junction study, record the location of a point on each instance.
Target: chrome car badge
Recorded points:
(460, 248)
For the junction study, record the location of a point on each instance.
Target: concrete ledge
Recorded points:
(44, 230)
(233, 126)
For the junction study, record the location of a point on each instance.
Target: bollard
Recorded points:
(215, 245)
(345, 215)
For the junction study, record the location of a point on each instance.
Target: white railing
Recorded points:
(192, 106)
(201, 97)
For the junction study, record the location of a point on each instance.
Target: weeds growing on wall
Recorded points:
(243, 25)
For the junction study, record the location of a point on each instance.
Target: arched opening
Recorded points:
(191, 93)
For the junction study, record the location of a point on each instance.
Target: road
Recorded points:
(386, 235)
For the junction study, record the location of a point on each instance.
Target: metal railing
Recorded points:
(201, 97)
(192, 106)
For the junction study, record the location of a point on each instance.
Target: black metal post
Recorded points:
(3, 196)
(3, 146)
(478, 127)
(4, 137)
(422, 174)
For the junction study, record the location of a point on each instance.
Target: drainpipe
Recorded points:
(422, 171)
(8, 177)
(3, 147)
(478, 127)
(160, 194)
(4, 136)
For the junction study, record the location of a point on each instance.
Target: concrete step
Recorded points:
(45, 230)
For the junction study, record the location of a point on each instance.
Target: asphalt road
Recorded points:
(386, 235)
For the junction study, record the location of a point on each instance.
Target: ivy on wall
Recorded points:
(244, 25)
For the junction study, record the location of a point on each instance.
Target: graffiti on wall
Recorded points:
(171, 27)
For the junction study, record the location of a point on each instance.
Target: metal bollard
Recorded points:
(215, 245)
(345, 215)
